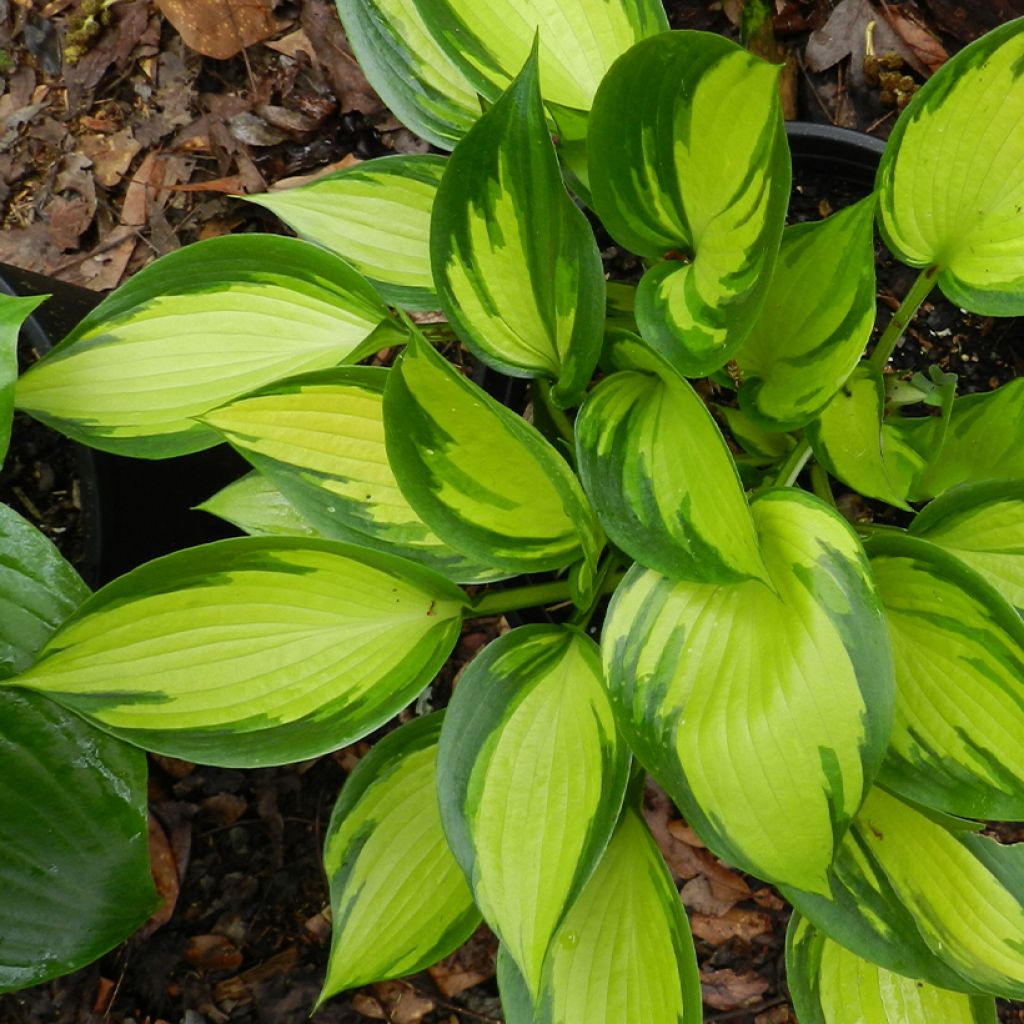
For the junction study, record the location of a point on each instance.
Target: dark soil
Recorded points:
(248, 940)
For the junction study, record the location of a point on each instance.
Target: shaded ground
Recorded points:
(121, 142)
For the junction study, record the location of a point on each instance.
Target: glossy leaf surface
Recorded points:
(816, 319)
(915, 896)
(74, 855)
(38, 591)
(376, 215)
(663, 481)
(193, 330)
(516, 264)
(958, 649)
(14, 311)
(798, 677)
(983, 525)
(831, 985)
(399, 901)
(672, 178)
(624, 951)
(950, 188)
(481, 477)
(320, 439)
(531, 776)
(253, 651)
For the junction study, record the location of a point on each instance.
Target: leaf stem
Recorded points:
(510, 599)
(794, 464)
(820, 484)
(919, 291)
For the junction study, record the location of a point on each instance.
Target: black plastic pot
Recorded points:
(133, 510)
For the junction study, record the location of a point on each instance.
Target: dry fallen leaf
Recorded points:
(212, 953)
(394, 1001)
(472, 963)
(925, 45)
(111, 155)
(735, 923)
(165, 878)
(220, 28)
(727, 990)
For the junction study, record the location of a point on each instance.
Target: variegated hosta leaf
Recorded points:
(924, 896)
(258, 508)
(252, 651)
(672, 178)
(853, 443)
(763, 711)
(957, 743)
(399, 901)
(663, 481)
(624, 951)
(531, 776)
(14, 311)
(377, 216)
(984, 441)
(950, 187)
(195, 329)
(578, 40)
(320, 439)
(983, 525)
(754, 438)
(831, 985)
(38, 591)
(481, 477)
(816, 319)
(74, 857)
(515, 262)
(410, 69)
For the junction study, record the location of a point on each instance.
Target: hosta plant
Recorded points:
(835, 708)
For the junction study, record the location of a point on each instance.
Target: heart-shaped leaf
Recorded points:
(74, 855)
(516, 264)
(959, 654)
(531, 776)
(481, 477)
(195, 329)
(710, 200)
(253, 651)
(950, 188)
(376, 215)
(797, 676)
(320, 439)
(816, 319)
(399, 901)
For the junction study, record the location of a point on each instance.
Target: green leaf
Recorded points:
(38, 591)
(410, 70)
(851, 441)
(958, 648)
(481, 477)
(753, 438)
(14, 311)
(950, 188)
(399, 901)
(578, 40)
(531, 776)
(376, 215)
(915, 896)
(258, 508)
(984, 441)
(515, 262)
(670, 177)
(252, 651)
(831, 985)
(816, 319)
(319, 438)
(983, 525)
(624, 951)
(195, 329)
(764, 712)
(74, 855)
(663, 481)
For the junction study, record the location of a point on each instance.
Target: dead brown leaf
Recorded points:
(394, 1001)
(349, 84)
(111, 155)
(727, 990)
(220, 28)
(165, 877)
(212, 953)
(348, 160)
(924, 44)
(735, 923)
(472, 963)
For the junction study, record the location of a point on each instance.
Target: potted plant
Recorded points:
(835, 708)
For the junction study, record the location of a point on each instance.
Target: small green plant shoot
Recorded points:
(835, 708)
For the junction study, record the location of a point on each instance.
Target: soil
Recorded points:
(237, 853)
